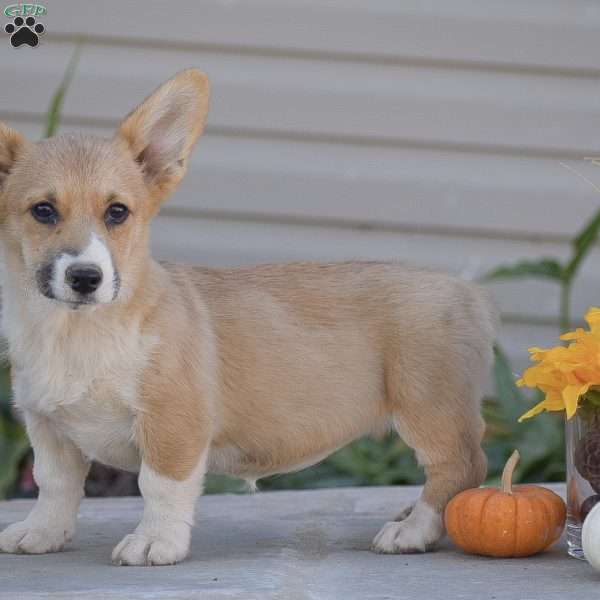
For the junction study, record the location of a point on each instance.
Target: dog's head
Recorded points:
(75, 209)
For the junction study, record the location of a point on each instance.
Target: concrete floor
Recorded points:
(287, 546)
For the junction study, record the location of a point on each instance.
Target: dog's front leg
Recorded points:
(59, 471)
(172, 432)
(163, 535)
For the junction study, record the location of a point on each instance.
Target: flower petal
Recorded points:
(536, 410)
(571, 395)
(564, 373)
(593, 319)
(552, 402)
(573, 335)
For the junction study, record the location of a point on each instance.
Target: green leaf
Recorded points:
(55, 109)
(582, 244)
(592, 397)
(546, 268)
(222, 484)
(512, 403)
(539, 440)
(13, 447)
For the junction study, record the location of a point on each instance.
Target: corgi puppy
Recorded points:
(174, 371)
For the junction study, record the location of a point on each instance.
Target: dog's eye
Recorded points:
(116, 214)
(45, 213)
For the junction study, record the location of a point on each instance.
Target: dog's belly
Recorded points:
(261, 454)
(230, 460)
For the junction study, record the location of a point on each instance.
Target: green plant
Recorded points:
(13, 441)
(54, 113)
(540, 441)
(562, 273)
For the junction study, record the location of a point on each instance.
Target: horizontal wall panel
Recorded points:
(524, 113)
(410, 189)
(511, 32)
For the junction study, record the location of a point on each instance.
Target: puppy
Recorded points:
(173, 371)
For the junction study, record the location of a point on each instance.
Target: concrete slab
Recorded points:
(301, 545)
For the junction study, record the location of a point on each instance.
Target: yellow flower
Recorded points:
(566, 373)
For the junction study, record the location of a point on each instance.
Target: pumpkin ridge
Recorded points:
(547, 519)
(481, 518)
(460, 522)
(465, 533)
(556, 508)
(516, 519)
(454, 513)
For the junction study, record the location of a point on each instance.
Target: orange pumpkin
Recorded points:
(507, 522)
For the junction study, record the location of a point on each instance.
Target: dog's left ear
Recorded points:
(161, 132)
(11, 144)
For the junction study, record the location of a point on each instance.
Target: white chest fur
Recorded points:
(82, 371)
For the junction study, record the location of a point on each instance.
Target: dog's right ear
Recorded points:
(11, 144)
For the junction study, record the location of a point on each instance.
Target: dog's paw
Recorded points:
(396, 538)
(140, 550)
(418, 530)
(404, 513)
(28, 538)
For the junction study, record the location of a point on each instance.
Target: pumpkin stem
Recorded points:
(509, 469)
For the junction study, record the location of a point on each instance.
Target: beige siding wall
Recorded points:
(427, 131)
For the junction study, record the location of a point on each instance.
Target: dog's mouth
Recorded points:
(77, 304)
(73, 304)
(66, 294)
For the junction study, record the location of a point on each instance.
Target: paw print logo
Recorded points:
(24, 31)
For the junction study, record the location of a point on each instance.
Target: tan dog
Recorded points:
(172, 371)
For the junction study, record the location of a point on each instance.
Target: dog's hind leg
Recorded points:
(435, 405)
(453, 461)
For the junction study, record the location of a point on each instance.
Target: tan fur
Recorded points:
(256, 370)
(174, 426)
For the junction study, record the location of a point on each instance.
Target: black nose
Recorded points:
(84, 279)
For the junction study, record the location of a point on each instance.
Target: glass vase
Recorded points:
(583, 472)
